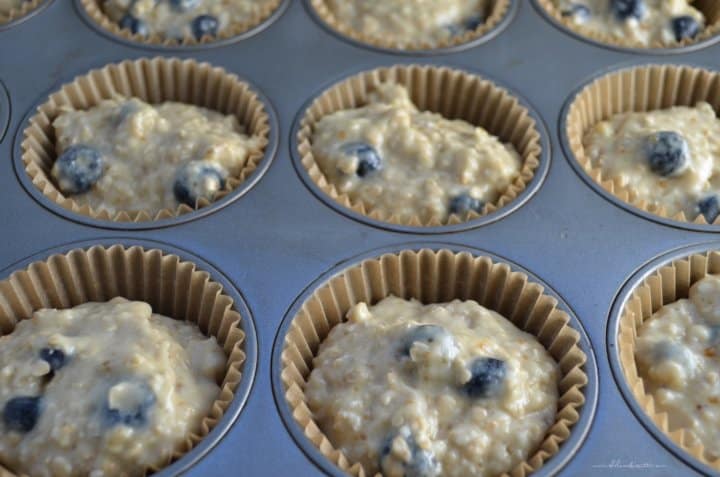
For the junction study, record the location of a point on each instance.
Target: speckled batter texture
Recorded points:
(406, 399)
(7, 5)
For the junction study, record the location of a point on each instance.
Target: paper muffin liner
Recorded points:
(666, 285)
(643, 88)
(173, 288)
(709, 8)
(94, 10)
(452, 93)
(153, 80)
(16, 13)
(495, 12)
(435, 277)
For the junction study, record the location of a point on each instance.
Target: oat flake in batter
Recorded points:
(410, 164)
(102, 389)
(414, 390)
(127, 155)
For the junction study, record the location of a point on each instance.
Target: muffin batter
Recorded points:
(678, 356)
(449, 389)
(669, 158)
(408, 163)
(409, 21)
(182, 18)
(7, 5)
(127, 155)
(102, 389)
(638, 21)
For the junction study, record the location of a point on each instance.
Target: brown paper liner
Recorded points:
(666, 285)
(436, 277)
(94, 10)
(173, 288)
(494, 14)
(453, 94)
(643, 88)
(153, 80)
(16, 13)
(709, 8)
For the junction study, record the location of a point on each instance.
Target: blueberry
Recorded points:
(368, 158)
(625, 9)
(134, 24)
(667, 152)
(474, 22)
(464, 203)
(141, 399)
(422, 462)
(685, 27)
(55, 357)
(78, 168)
(488, 375)
(578, 11)
(204, 25)
(425, 334)
(184, 5)
(22, 413)
(197, 180)
(710, 208)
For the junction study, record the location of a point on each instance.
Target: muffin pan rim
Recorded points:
(5, 110)
(568, 449)
(30, 14)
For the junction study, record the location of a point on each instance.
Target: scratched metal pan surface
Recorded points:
(279, 238)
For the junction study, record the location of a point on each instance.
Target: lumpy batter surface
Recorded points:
(409, 21)
(102, 389)
(449, 389)
(639, 21)
(409, 163)
(7, 5)
(127, 155)
(678, 356)
(669, 158)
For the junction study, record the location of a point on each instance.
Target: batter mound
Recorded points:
(127, 155)
(102, 389)
(669, 158)
(416, 390)
(408, 163)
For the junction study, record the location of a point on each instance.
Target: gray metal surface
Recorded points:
(278, 238)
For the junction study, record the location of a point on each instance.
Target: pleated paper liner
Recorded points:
(666, 285)
(642, 88)
(452, 93)
(153, 80)
(709, 8)
(94, 10)
(435, 277)
(173, 288)
(17, 13)
(495, 12)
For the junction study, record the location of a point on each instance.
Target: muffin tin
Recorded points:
(278, 241)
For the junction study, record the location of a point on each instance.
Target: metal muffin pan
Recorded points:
(278, 238)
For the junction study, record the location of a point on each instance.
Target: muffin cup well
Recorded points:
(454, 94)
(709, 8)
(642, 88)
(172, 286)
(18, 13)
(432, 276)
(93, 10)
(496, 12)
(153, 80)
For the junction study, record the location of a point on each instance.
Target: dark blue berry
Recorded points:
(134, 24)
(138, 415)
(204, 25)
(422, 462)
(474, 22)
(488, 376)
(197, 180)
(685, 27)
(22, 413)
(55, 357)
(709, 207)
(368, 158)
(667, 152)
(184, 5)
(626, 9)
(423, 334)
(579, 12)
(464, 203)
(78, 168)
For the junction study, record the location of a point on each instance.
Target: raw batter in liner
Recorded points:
(678, 356)
(7, 5)
(682, 177)
(408, 163)
(409, 21)
(416, 390)
(147, 157)
(639, 21)
(102, 389)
